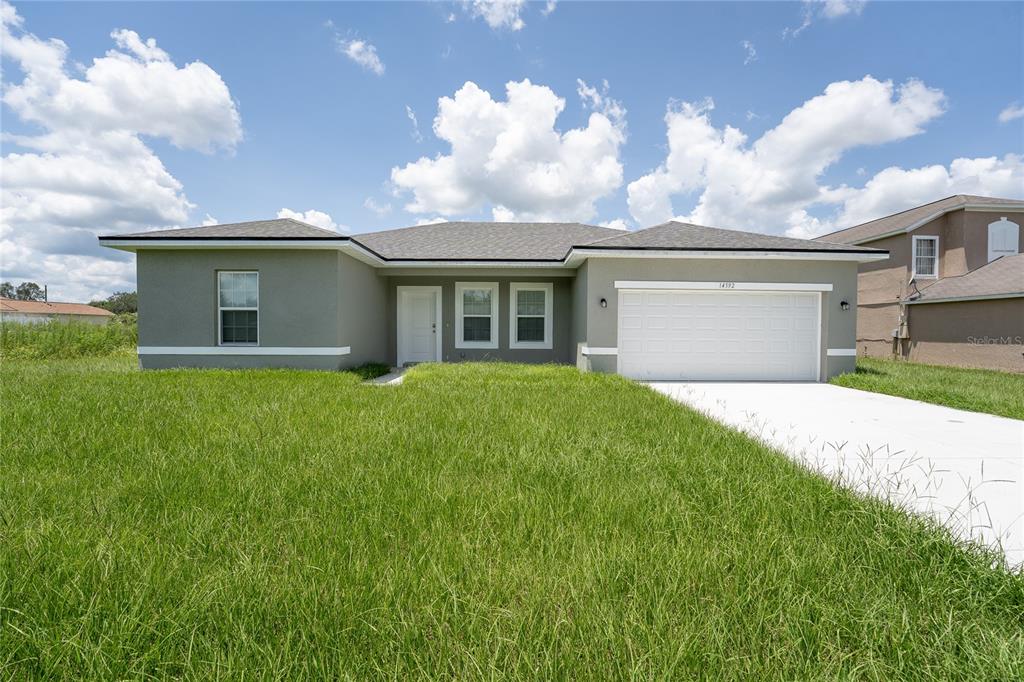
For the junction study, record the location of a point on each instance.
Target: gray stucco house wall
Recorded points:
(308, 299)
(561, 351)
(331, 302)
(838, 327)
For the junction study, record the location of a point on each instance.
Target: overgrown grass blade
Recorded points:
(56, 339)
(479, 521)
(976, 390)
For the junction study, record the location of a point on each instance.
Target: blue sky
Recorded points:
(301, 125)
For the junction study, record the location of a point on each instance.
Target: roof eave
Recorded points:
(933, 216)
(961, 299)
(135, 243)
(578, 254)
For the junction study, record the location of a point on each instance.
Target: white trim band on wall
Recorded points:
(589, 350)
(726, 286)
(841, 352)
(243, 350)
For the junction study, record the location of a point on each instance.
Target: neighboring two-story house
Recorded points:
(952, 290)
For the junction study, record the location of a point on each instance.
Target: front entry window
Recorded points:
(476, 312)
(238, 308)
(530, 318)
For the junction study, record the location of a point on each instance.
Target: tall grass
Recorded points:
(477, 522)
(56, 339)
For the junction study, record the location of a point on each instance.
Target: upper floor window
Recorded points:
(238, 308)
(476, 314)
(926, 256)
(529, 315)
(1003, 239)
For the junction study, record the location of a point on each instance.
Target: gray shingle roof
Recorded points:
(487, 241)
(904, 219)
(685, 236)
(278, 228)
(1001, 277)
(482, 241)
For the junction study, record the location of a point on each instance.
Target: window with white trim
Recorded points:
(238, 308)
(476, 314)
(530, 307)
(926, 256)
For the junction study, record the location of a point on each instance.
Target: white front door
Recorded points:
(719, 336)
(419, 324)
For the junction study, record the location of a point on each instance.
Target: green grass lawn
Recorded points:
(977, 390)
(479, 521)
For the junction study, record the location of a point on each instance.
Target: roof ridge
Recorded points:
(297, 222)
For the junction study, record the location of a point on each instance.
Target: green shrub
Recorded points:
(57, 339)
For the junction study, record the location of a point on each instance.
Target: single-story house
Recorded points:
(33, 312)
(675, 301)
(952, 291)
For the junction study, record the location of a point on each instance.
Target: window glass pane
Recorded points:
(250, 288)
(476, 302)
(925, 257)
(238, 326)
(226, 282)
(530, 329)
(530, 302)
(238, 290)
(476, 329)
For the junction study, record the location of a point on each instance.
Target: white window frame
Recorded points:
(513, 314)
(461, 287)
(913, 256)
(220, 318)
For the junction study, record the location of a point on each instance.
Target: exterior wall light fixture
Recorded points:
(604, 302)
(845, 305)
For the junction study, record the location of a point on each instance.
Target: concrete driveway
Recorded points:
(963, 468)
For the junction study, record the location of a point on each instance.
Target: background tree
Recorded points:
(119, 302)
(26, 291)
(29, 291)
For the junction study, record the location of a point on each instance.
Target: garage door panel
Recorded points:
(713, 335)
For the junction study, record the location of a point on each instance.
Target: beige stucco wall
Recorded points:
(963, 246)
(987, 334)
(838, 327)
(42, 318)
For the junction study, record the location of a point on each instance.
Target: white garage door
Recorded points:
(719, 335)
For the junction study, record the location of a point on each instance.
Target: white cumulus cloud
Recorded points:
(768, 184)
(896, 189)
(1011, 113)
(827, 9)
(616, 224)
(314, 218)
(362, 53)
(88, 171)
(509, 155)
(498, 14)
(371, 204)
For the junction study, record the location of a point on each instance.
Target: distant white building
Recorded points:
(31, 312)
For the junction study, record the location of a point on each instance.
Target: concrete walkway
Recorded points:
(965, 469)
(392, 378)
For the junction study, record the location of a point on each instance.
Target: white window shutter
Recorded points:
(1003, 239)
